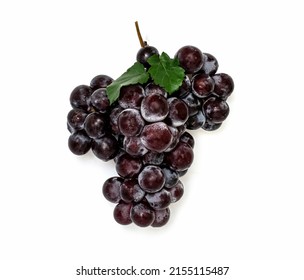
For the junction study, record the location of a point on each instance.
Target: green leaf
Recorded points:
(166, 72)
(135, 74)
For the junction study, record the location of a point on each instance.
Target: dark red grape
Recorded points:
(105, 147)
(181, 157)
(176, 192)
(151, 179)
(100, 100)
(210, 126)
(178, 112)
(171, 177)
(111, 189)
(142, 215)
(144, 53)
(196, 121)
(210, 65)
(76, 118)
(114, 119)
(95, 125)
(130, 122)
(186, 137)
(159, 200)
(122, 213)
(202, 85)
(130, 191)
(131, 96)
(184, 88)
(152, 88)
(153, 158)
(156, 137)
(161, 217)
(190, 58)
(134, 147)
(100, 81)
(128, 166)
(154, 108)
(192, 102)
(216, 110)
(79, 143)
(80, 97)
(223, 85)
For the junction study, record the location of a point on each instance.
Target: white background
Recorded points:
(243, 204)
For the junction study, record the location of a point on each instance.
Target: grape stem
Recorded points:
(141, 41)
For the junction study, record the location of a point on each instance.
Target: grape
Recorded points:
(154, 108)
(159, 200)
(131, 191)
(76, 118)
(80, 97)
(210, 65)
(114, 119)
(186, 137)
(153, 158)
(152, 88)
(196, 121)
(156, 137)
(134, 147)
(202, 85)
(79, 143)
(178, 112)
(111, 189)
(176, 192)
(144, 53)
(122, 213)
(171, 177)
(210, 126)
(100, 100)
(142, 215)
(151, 179)
(100, 81)
(223, 85)
(131, 96)
(216, 110)
(130, 122)
(184, 88)
(106, 147)
(128, 166)
(190, 58)
(181, 157)
(192, 102)
(161, 217)
(95, 125)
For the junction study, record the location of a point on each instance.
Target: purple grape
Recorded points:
(210, 126)
(105, 148)
(144, 53)
(159, 200)
(156, 137)
(79, 143)
(80, 97)
(76, 118)
(122, 213)
(210, 65)
(184, 88)
(130, 191)
(196, 121)
(128, 166)
(114, 119)
(181, 157)
(178, 112)
(95, 125)
(192, 102)
(134, 147)
(190, 58)
(202, 85)
(142, 215)
(153, 158)
(176, 192)
(154, 108)
(111, 189)
(161, 217)
(131, 96)
(151, 179)
(223, 85)
(216, 110)
(130, 122)
(171, 177)
(100, 81)
(152, 88)
(100, 100)
(186, 137)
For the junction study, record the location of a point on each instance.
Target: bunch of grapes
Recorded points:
(145, 132)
